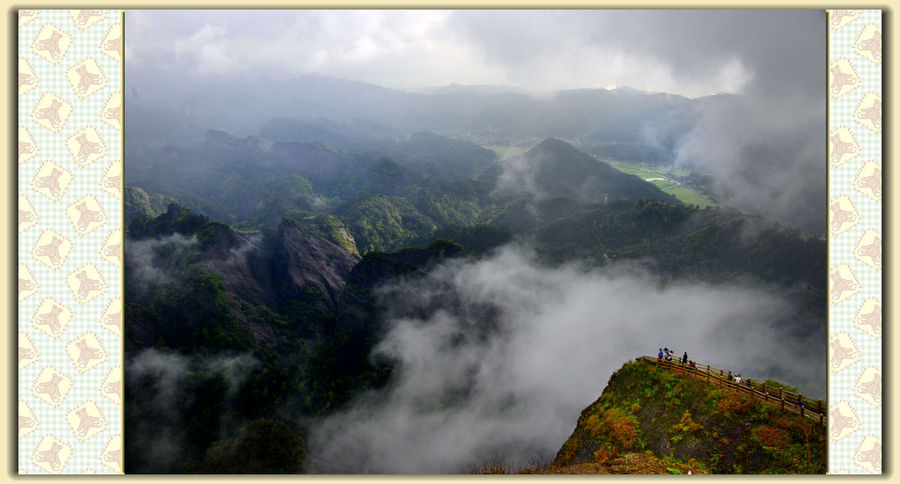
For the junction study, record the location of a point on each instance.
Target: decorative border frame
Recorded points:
(855, 235)
(70, 241)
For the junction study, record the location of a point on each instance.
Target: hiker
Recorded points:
(668, 353)
(737, 379)
(659, 357)
(800, 400)
(692, 364)
(684, 359)
(730, 378)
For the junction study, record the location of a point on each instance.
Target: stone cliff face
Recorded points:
(241, 263)
(298, 266)
(303, 261)
(299, 262)
(274, 272)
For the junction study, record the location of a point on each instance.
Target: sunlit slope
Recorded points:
(684, 420)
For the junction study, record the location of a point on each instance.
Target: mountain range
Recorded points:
(282, 247)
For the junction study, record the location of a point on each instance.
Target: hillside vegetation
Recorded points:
(256, 272)
(690, 425)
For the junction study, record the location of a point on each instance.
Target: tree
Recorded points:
(264, 446)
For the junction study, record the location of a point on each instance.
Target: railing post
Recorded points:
(781, 397)
(707, 373)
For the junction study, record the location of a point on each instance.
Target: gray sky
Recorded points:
(684, 52)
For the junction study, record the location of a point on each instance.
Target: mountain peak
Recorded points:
(562, 170)
(555, 144)
(647, 408)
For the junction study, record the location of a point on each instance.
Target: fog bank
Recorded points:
(506, 354)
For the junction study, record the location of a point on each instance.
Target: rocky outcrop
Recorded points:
(240, 262)
(303, 261)
(684, 420)
(289, 266)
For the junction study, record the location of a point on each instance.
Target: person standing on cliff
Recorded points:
(684, 359)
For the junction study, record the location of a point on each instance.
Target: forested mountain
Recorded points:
(555, 168)
(282, 278)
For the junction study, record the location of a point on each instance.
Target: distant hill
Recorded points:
(286, 130)
(556, 168)
(485, 114)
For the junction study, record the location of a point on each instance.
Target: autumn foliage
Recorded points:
(685, 421)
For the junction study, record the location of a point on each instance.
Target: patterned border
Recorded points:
(855, 224)
(69, 205)
(70, 241)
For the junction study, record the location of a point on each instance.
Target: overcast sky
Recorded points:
(685, 52)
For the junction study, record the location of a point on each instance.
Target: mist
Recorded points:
(754, 79)
(765, 155)
(151, 263)
(160, 428)
(494, 360)
(517, 177)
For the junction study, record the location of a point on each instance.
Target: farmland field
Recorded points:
(664, 178)
(507, 151)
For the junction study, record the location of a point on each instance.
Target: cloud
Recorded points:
(208, 51)
(398, 48)
(508, 353)
(166, 369)
(768, 159)
(683, 52)
(159, 428)
(152, 263)
(517, 176)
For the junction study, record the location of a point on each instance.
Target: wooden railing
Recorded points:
(789, 401)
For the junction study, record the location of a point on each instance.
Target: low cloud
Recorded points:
(517, 176)
(495, 359)
(152, 263)
(766, 154)
(158, 430)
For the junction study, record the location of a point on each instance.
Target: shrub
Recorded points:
(734, 403)
(771, 437)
